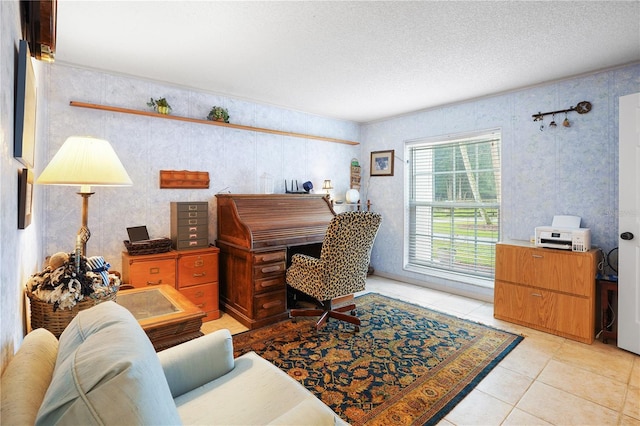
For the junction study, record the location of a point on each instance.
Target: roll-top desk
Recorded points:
(256, 235)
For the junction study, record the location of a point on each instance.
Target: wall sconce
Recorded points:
(85, 161)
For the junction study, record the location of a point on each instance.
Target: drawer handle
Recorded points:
(202, 305)
(273, 304)
(193, 214)
(193, 221)
(154, 270)
(199, 294)
(537, 256)
(193, 229)
(268, 284)
(154, 282)
(193, 243)
(199, 275)
(198, 263)
(193, 235)
(193, 207)
(268, 257)
(536, 294)
(270, 268)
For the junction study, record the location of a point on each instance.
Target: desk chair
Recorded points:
(341, 269)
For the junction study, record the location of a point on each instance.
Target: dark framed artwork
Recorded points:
(25, 108)
(382, 163)
(25, 197)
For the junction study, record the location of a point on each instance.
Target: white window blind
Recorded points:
(454, 204)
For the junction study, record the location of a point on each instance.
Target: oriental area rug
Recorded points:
(407, 365)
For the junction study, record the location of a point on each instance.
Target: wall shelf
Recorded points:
(208, 122)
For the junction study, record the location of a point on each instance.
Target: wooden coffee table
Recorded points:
(168, 317)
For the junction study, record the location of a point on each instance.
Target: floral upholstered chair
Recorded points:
(341, 269)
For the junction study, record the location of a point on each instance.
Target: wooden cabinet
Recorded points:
(192, 272)
(546, 289)
(253, 285)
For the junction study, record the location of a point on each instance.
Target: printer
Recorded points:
(564, 234)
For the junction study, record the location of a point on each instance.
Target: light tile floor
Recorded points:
(545, 380)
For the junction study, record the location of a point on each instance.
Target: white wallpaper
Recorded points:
(19, 248)
(235, 159)
(557, 171)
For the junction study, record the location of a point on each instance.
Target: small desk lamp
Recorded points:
(327, 185)
(85, 161)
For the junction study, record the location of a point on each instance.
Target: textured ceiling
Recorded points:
(359, 61)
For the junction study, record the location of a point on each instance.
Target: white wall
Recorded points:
(19, 249)
(557, 171)
(235, 159)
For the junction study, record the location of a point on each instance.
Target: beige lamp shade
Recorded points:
(85, 161)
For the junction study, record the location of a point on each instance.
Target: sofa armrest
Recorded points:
(27, 377)
(198, 361)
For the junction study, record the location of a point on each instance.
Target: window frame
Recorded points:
(449, 274)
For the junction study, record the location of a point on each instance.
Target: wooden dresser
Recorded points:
(193, 272)
(546, 289)
(257, 234)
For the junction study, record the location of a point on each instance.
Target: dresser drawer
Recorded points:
(268, 257)
(197, 269)
(204, 296)
(152, 273)
(269, 304)
(269, 284)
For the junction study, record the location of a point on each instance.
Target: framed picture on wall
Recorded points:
(25, 197)
(382, 163)
(25, 108)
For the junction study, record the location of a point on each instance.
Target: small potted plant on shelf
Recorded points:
(160, 105)
(218, 114)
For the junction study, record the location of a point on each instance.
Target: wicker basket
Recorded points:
(43, 315)
(157, 245)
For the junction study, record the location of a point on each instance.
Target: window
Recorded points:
(454, 203)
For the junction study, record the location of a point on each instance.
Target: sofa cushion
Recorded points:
(107, 372)
(26, 379)
(198, 361)
(254, 392)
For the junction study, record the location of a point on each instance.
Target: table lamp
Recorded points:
(327, 185)
(85, 161)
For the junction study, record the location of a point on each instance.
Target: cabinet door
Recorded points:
(152, 272)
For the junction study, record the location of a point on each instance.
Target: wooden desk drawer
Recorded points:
(268, 257)
(269, 304)
(197, 269)
(153, 273)
(269, 270)
(204, 296)
(269, 284)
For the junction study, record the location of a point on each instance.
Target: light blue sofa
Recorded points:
(104, 371)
